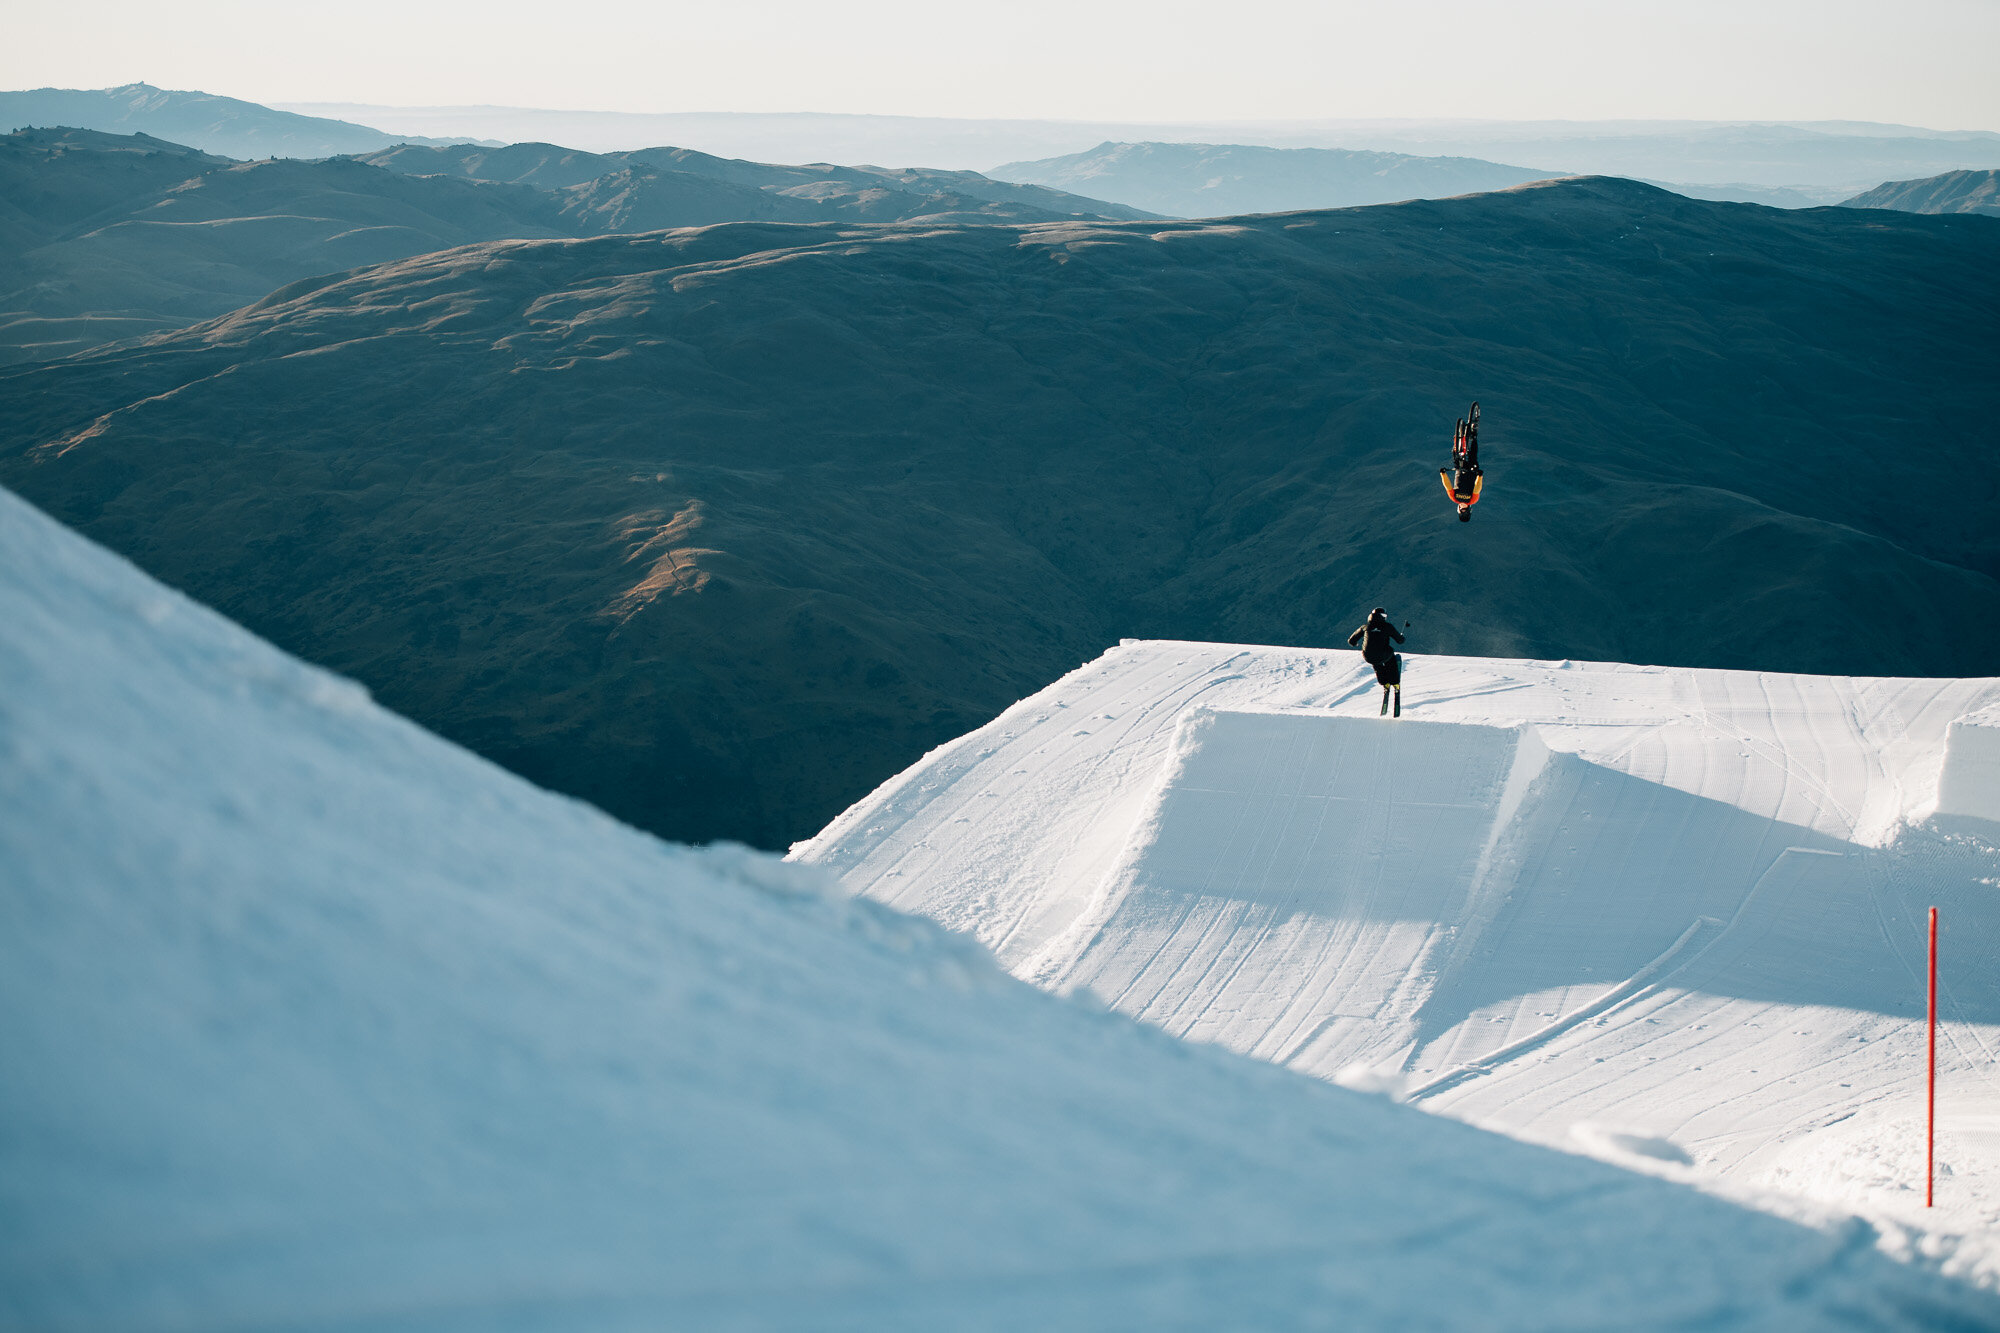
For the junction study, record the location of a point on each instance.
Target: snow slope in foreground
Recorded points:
(308, 1018)
(1670, 917)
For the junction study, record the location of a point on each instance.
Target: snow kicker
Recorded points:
(1588, 903)
(1291, 892)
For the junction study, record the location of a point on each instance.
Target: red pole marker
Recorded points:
(1930, 1107)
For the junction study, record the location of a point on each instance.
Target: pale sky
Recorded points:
(1921, 62)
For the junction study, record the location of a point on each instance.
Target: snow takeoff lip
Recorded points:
(1677, 909)
(1313, 847)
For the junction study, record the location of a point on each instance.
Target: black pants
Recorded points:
(1390, 670)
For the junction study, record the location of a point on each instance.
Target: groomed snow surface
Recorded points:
(1673, 919)
(311, 1020)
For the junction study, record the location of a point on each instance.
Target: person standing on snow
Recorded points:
(1377, 638)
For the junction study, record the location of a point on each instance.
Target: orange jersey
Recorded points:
(1478, 480)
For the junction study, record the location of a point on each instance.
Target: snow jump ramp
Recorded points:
(1586, 903)
(1293, 888)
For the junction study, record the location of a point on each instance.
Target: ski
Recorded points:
(1399, 701)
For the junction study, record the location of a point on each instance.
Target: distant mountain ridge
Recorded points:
(104, 236)
(1952, 192)
(226, 126)
(1783, 163)
(936, 194)
(1825, 160)
(719, 528)
(1221, 180)
(1224, 180)
(1762, 153)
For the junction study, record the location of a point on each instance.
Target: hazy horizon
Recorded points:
(1298, 124)
(1276, 60)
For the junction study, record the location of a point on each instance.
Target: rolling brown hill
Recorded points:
(54, 179)
(717, 528)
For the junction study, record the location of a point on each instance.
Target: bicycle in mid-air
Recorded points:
(1463, 479)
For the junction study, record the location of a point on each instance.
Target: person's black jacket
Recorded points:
(1377, 633)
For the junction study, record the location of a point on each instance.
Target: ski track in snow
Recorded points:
(1695, 946)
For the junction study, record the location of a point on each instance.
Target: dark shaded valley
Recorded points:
(717, 528)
